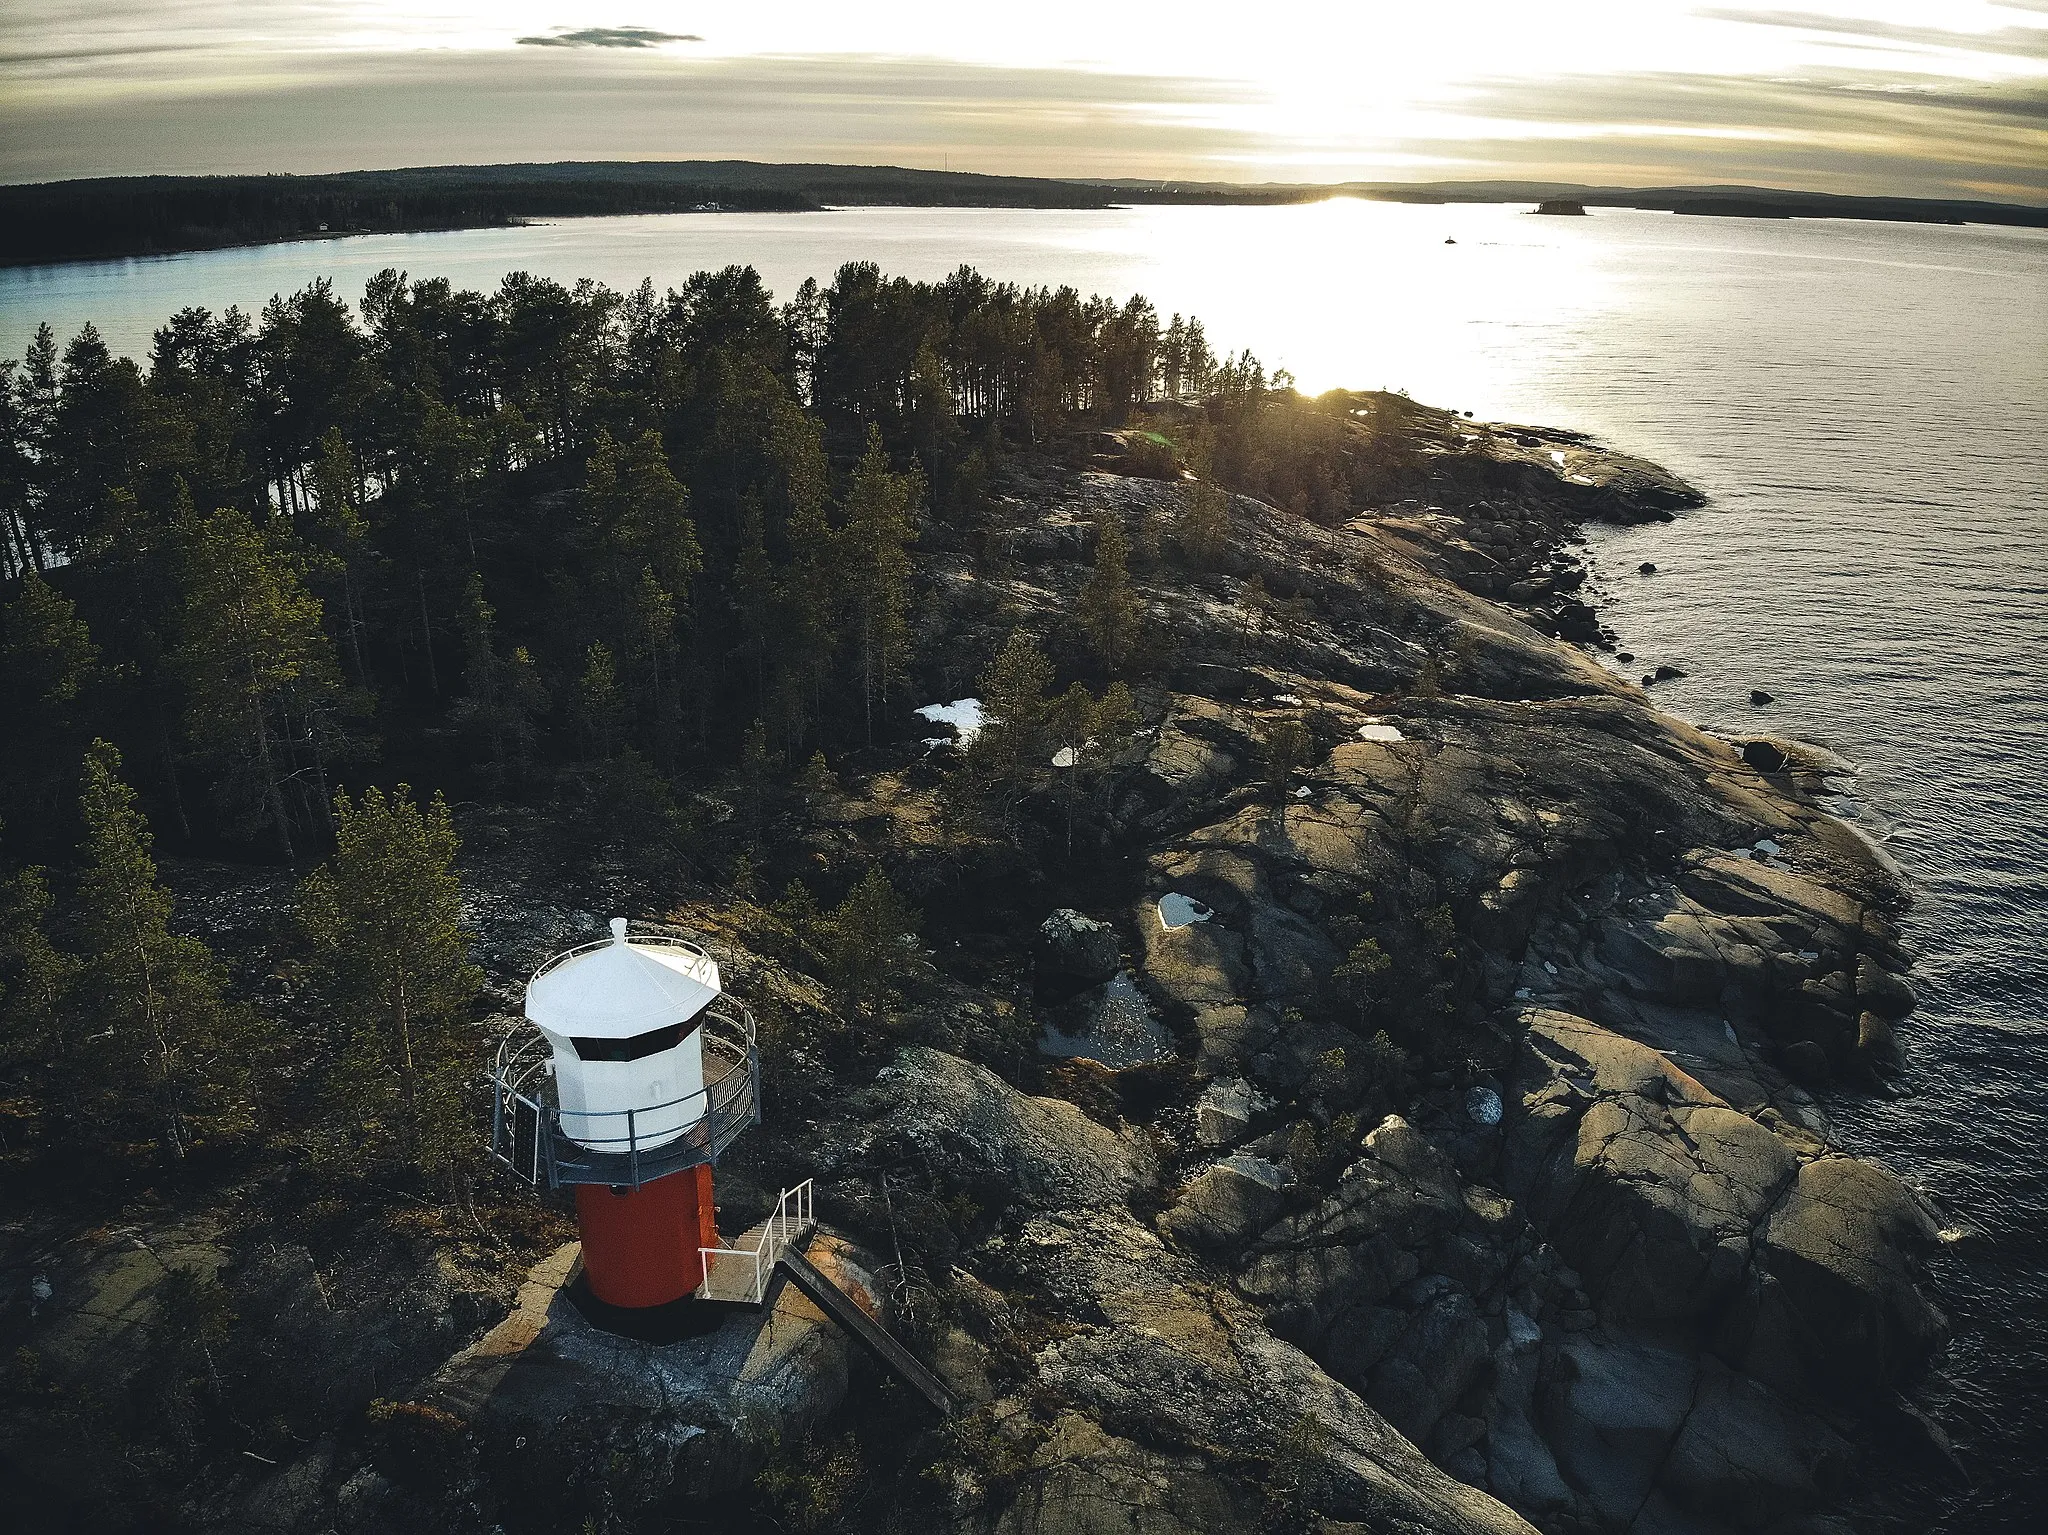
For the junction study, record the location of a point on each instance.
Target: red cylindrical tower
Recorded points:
(653, 1072)
(645, 1246)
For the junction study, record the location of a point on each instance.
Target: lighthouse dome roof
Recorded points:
(623, 988)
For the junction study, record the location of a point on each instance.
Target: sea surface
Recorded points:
(1865, 404)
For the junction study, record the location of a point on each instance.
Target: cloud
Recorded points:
(609, 37)
(439, 108)
(2029, 43)
(1842, 130)
(1837, 131)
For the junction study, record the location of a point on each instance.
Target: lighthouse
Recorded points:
(634, 1075)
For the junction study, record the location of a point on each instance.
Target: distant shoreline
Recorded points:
(51, 223)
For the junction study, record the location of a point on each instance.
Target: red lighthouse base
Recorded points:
(641, 1246)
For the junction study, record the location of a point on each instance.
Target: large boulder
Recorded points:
(1043, 1152)
(1834, 1301)
(1226, 1204)
(1073, 952)
(1651, 1185)
(1364, 1280)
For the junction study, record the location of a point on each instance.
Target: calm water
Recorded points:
(1866, 404)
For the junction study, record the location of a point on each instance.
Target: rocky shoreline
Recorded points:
(1543, 1226)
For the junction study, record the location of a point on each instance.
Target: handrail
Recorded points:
(792, 1218)
(643, 938)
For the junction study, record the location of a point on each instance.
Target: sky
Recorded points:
(1874, 96)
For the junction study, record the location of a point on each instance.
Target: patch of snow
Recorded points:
(1064, 757)
(1523, 1333)
(1379, 730)
(963, 714)
(1302, 792)
(1549, 968)
(1557, 458)
(1482, 1104)
(1525, 993)
(1177, 911)
(1809, 956)
(1769, 848)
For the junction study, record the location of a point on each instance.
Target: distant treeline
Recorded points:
(1722, 202)
(148, 215)
(155, 215)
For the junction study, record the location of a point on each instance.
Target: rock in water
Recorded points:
(1763, 756)
(1647, 568)
(1759, 697)
(1074, 952)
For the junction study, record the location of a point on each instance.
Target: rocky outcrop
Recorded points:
(1165, 1360)
(1461, 1171)
(1042, 1152)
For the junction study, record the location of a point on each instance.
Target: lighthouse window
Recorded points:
(667, 1037)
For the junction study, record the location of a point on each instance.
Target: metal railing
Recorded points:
(640, 938)
(529, 1134)
(755, 1265)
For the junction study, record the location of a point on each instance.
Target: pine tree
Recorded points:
(338, 540)
(390, 958)
(870, 942)
(755, 771)
(874, 548)
(1357, 978)
(599, 702)
(169, 1052)
(266, 702)
(37, 1037)
(1108, 609)
(1287, 747)
(641, 512)
(47, 662)
(1015, 695)
(1204, 528)
(808, 598)
(651, 647)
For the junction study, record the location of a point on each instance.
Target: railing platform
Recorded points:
(529, 1137)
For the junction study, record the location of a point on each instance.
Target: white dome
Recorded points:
(621, 989)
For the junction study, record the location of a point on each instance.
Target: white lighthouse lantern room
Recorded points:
(622, 1022)
(636, 1075)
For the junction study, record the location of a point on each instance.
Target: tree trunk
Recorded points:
(427, 634)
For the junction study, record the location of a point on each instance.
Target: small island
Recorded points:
(1561, 207)
(1290, 1037)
